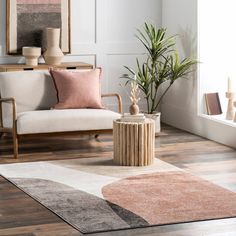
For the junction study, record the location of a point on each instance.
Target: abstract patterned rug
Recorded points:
(94, 195)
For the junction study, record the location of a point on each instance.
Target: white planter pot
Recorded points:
(157, 118)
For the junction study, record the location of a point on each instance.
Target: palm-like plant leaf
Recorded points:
(180, 68)
(162, 64)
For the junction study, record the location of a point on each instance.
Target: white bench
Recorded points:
(25, 109)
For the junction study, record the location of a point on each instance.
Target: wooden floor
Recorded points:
(21, 215)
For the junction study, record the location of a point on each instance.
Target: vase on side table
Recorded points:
(53, 54)
(134, 109)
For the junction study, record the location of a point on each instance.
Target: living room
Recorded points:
(61, 179)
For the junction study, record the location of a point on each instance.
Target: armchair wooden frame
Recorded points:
(16, 136)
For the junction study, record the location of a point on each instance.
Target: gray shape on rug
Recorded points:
(84, 211)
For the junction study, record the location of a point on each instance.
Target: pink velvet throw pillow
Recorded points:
(77, 89)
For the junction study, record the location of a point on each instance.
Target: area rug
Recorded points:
(94, 195)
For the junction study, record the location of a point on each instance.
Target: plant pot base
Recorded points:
(157, 118)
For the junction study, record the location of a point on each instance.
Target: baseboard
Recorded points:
(190, 121)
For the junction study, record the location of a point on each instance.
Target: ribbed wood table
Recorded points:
(134, 143)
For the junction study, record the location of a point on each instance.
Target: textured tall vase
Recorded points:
(53, 54)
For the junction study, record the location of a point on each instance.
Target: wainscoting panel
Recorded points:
(83, 23)
(117, 21)
(123, 17)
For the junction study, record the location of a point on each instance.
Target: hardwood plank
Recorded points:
(21, 215)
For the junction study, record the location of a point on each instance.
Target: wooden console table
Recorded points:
(65, 65)
(134, 143)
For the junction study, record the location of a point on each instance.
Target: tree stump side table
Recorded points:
(134, 143)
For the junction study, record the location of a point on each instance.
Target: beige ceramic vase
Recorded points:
(31, 55)
(53, 54)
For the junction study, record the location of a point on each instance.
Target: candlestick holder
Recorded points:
(230, 110)
(235, 112)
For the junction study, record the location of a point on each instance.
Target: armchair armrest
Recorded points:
(13, 102)
(7, 100)
(118, 99)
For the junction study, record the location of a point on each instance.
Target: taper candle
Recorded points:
(230, 85)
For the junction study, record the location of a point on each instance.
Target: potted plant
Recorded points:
(162, 65)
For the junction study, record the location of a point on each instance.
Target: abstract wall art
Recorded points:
(27, 21)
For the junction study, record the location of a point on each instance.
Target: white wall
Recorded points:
(180, 107)
(103, 35)
(217, 51)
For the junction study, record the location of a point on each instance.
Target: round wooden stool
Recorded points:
(134, 143)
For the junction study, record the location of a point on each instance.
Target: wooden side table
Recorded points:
(134, 143)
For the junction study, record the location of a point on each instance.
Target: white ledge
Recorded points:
(219, 118)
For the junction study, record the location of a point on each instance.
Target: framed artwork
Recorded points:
(27, 21)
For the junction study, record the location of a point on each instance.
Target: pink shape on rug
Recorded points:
(171, 197)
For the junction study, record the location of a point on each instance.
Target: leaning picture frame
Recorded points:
(27, 21)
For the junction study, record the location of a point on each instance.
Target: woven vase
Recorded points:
(53, 54)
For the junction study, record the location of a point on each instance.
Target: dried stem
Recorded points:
(135, 92)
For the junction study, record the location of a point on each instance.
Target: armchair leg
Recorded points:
(15, 145)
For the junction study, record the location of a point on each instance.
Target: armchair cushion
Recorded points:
(49, 121)
(32, 90)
